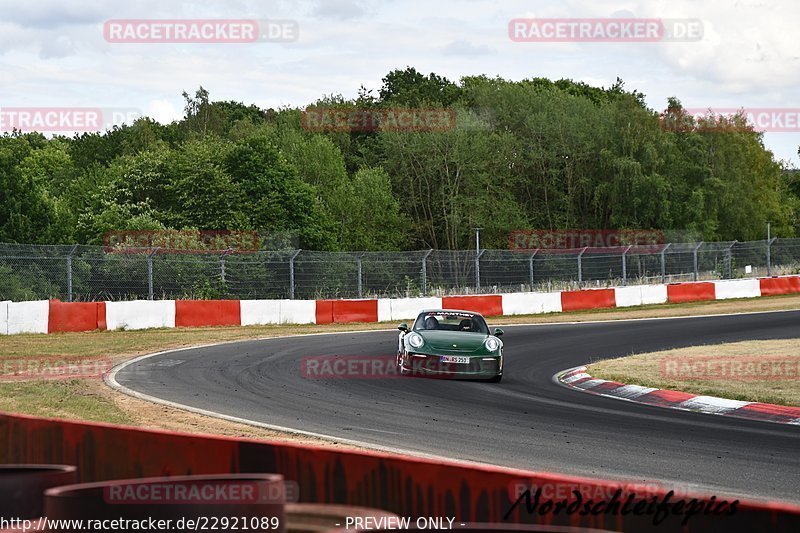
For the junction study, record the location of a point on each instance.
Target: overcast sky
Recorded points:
(53, 53)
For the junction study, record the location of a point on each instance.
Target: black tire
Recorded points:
(496, 379)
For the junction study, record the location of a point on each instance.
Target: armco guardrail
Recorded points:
(56, 316)
(409, 487)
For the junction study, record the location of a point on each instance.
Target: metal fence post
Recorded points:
(664, 263)
(769, 255)
(694, 260)
(291, 274)
(222, 264)
(580, 266)
(360, 256)
(69, 272)
(530, 265)
(425, 272)
(478, 270)
(150, 273)
(729, 261)
(625, 264)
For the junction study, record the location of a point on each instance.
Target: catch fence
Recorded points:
(85, 273)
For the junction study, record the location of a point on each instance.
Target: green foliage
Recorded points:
(274, 195)
(203, 193)
(355, 206)
(32, 283)
(28, 210)
(411, 88)
(535, 153)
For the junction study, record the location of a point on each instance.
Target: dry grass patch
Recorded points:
(71, 399)
(755, 371)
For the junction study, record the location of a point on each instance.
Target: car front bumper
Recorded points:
(431, 365)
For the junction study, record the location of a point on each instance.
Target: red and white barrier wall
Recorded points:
(407, 486)
(53, 315)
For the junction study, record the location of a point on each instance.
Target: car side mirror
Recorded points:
(498, 332)
(403, 327)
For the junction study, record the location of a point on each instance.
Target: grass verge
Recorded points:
(70, 398)
(754, 371)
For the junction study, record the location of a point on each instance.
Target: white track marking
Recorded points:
(591, 383)
(712, 404)
(631, 391)
(576, 377)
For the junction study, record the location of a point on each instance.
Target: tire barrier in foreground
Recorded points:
(255, 499)
(22, 487)
(408, 487)
(249, 502)
(55, 316)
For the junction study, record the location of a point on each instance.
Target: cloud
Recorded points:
(59, 47)
(163, 111)
(53, 52)
(466, 48)
(339, 9)
(750, 48)
(53, 13)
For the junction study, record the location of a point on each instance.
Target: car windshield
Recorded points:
(451, 321)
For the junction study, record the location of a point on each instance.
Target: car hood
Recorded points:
(453, 341)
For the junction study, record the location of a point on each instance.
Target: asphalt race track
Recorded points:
(527, 421)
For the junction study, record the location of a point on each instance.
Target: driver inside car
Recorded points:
(431, 323)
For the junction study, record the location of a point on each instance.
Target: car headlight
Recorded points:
(415, 340)
(492, 344)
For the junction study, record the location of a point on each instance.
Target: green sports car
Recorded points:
(452, 344)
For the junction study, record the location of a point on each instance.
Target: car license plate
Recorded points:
(454, 359)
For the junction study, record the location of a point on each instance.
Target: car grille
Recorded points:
(432, 363)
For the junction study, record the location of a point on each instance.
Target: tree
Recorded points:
(273, 196)
(533, 153)
(28, 212)
(367, 214)
(411, 88)
(201, 116)
(453, 180)
(204, 193)
(131, 194)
